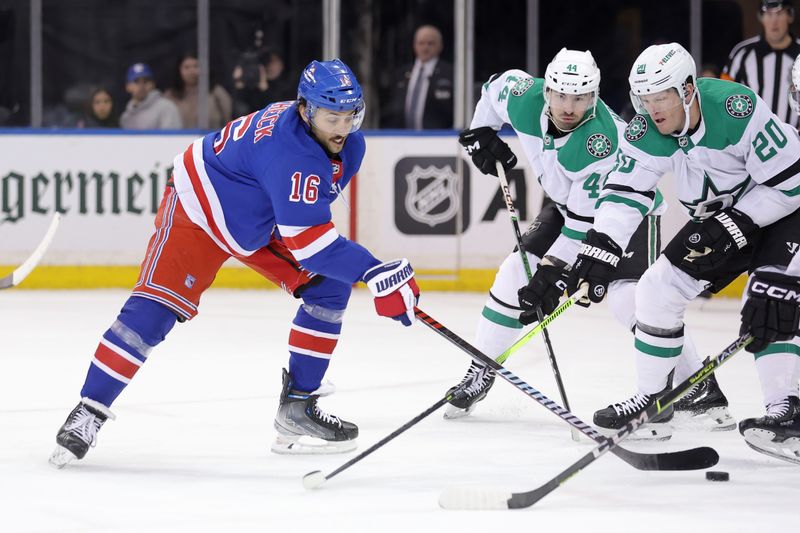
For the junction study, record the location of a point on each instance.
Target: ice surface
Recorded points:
(189, 449)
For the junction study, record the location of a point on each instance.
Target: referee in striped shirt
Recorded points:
(764, 63)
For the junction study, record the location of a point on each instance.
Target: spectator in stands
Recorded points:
(259, 79)
(147, 109)
(764, 62)
(422, 92)
(100, 110)
(184, 95)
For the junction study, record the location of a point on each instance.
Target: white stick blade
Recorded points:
(314, 479)
(474, 498)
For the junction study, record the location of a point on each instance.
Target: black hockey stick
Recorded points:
(316, 478)
(464, 498)
(512, 213)
(22, 271)
(693, 459)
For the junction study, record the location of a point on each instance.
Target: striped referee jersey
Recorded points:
(768, 72)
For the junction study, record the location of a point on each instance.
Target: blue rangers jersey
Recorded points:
(263, 176)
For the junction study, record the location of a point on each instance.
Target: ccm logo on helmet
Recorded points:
(777, 293)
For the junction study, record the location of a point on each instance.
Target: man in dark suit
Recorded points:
(422, 92)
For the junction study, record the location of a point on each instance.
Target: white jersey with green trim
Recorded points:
(572, 167)
(740, 155)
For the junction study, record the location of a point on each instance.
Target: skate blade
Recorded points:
(61, 457)
(762, 441)
(452, 412)
(648, 432)
(714, 419)
(307, 445)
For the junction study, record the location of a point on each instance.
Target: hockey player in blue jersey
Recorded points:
(259, 190)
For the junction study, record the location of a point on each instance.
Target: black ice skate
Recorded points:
(472, 389)
(304, 428)
(615, 416)
(706, 406)
(79, 432)
(778, 433)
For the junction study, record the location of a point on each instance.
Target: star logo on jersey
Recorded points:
(712, 200)
(598, 145)
(636, 128)
(522, 86)
(739, 105)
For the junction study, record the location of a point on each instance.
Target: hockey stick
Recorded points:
(316, 478)
(464, 498)
(693, 459)
(22, 271)
(512, 213)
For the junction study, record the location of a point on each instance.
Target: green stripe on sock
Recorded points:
(500, 319)
(657, 351)
(779, 347)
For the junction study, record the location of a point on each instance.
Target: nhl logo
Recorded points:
(522, 86)
(694, 238)
(683, 142)
(548, 140)
(433, 194)
(636, 129)
(739, 106)
(598, 145)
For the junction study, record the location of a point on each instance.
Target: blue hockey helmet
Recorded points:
(331, 85)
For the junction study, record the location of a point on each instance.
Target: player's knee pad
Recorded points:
(510, 278)
(621, 301)
(662, 294)
(143, 323)
(330, 294)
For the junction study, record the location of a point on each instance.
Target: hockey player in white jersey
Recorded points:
(570, 138)
(737, 174)
(771, 313)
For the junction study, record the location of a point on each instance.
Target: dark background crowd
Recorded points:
(117, 63)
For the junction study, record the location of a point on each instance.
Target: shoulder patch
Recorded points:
(739, 105)
(598, 145)
(522, 86)
(636, 128)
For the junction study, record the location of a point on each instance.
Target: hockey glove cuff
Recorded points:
(597, 262)
(395, 290)
(486, 148)
(544, 290)
(771, 312)
(715, 240)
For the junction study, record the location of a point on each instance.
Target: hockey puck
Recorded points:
(717, 476)
(314, 479)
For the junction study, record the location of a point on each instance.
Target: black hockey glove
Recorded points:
(772, 310)
(544, 289)
(486, 148)
(715, 239)
(596, 264)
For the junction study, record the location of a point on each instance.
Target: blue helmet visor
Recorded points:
(335, 122)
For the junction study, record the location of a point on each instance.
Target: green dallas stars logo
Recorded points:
(640, 68)
(636, 129)
(712, 199)
(739, 105)
(598, 145)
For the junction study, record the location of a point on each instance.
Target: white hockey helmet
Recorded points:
(794, 97)
(573, 72)
(661, 67)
